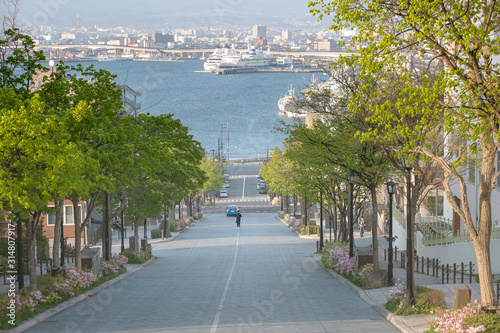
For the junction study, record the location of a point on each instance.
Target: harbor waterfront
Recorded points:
(245, 104)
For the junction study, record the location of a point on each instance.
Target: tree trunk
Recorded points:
(107, 227)
(197, 203)
(136, 235)
(373, 191)
(57, 234)
(31, 225)
(483, 240)
(78, 235)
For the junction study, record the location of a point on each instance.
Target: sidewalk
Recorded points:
(378, 297)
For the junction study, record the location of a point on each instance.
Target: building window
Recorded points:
(68, 215)
(51, 219)
(472, 172)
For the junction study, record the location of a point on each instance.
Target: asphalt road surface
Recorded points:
(216, 278)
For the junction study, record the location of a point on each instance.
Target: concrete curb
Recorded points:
(63, 306)
(397, 321)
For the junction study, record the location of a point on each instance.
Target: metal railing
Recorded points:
(436, 230)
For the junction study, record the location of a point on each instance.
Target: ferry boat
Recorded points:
(213, 62)
(251, 59)
(230, 59)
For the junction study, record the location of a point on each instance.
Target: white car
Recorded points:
(223, 193)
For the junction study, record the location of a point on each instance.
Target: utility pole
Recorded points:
(227, 127)
(222, 126)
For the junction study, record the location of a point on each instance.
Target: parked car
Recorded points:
(262, 188)
(260, 184)
(226, 185)
(232, 210)
(223, 193)
(226, 177)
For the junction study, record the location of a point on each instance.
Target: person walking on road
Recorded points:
(362, 226)
(238, 219)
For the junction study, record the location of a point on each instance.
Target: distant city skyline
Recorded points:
(159, 14)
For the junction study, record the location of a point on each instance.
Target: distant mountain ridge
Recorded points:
(112, 13)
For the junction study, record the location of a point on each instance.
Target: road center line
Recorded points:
(226, 288)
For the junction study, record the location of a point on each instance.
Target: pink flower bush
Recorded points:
(80, 279)
(118, 261)
(37, 295)
(337, 258)
(180, 225)
(452, 321)
(25, 303)
(397, 291)
(343, 263)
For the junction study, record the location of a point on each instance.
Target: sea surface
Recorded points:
(246, 104)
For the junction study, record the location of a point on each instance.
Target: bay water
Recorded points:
(246, 104)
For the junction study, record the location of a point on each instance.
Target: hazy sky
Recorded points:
(139, 13)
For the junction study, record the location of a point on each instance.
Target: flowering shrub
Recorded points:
(75, 280)
(281, 214)
(198, 216)
(367, 277)
(80, 279)
(138, 258)
(343, 263)
(286, 219)
(118, 261)
(189, 220)
(336, 257)
(52, 291)
(294, 223)
(453, 321)
(177, 225)
(397, 291)
(426, 301)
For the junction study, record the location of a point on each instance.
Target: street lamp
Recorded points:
(350, 178)
(410, 283)
(321, 220)
(281, 195)
(122, 231)
(165, 223)
(391, 189)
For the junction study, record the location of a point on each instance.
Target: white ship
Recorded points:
(229, 58)
(213, 62)
(105, 57)
(288, 102)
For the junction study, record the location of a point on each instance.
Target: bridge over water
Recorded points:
(182, 53)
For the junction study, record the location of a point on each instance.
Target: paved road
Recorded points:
(215, 278)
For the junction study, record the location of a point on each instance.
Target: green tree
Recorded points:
(102, 134)
(19, 61)
(38, 162)
(168, 167)
(214, 178)
(460, 40)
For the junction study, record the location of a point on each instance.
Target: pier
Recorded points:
(225, 71)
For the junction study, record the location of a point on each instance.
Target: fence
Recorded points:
(432, 267)
(436, 230)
